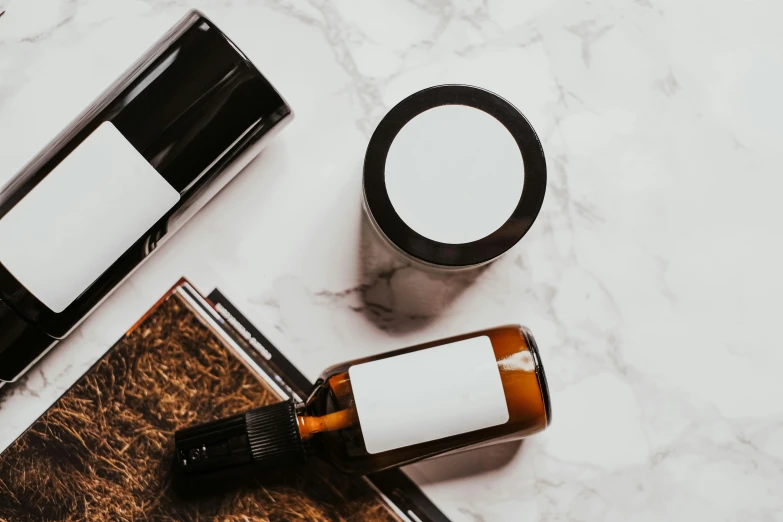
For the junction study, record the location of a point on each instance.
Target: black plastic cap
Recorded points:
(266, 437)
(273, 432)
(21, 344)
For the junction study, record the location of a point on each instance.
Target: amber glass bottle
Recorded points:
(389, 410)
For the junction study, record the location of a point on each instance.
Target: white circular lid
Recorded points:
(454, 174)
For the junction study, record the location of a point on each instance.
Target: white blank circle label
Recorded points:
(454, 174)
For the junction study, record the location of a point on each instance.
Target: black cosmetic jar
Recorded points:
(454, 176)
(122, 178)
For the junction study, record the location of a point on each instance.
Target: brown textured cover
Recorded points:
(104, 450)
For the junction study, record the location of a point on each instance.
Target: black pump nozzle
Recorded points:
(266, 436)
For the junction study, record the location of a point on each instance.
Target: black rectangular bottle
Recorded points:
(125, 175)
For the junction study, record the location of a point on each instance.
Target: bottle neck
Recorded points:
(309, 426)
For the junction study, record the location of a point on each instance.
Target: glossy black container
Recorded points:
(476, 156)
(197, 111)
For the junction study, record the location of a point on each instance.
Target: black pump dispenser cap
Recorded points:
(265, 437)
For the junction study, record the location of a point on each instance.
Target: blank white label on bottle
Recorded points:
(82, 217)
(428, 395)
(454, 174)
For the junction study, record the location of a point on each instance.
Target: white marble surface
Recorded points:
(651, 278)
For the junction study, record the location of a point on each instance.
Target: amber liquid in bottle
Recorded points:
(329, 419)
(336, 425)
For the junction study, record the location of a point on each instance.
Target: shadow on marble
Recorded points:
(5, 391)
(11, 388)
(399, 297)
(466, 464)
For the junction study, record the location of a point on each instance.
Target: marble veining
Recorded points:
(651, 279)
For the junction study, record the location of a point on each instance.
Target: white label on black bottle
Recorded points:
(82, 217)
(429, 394)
